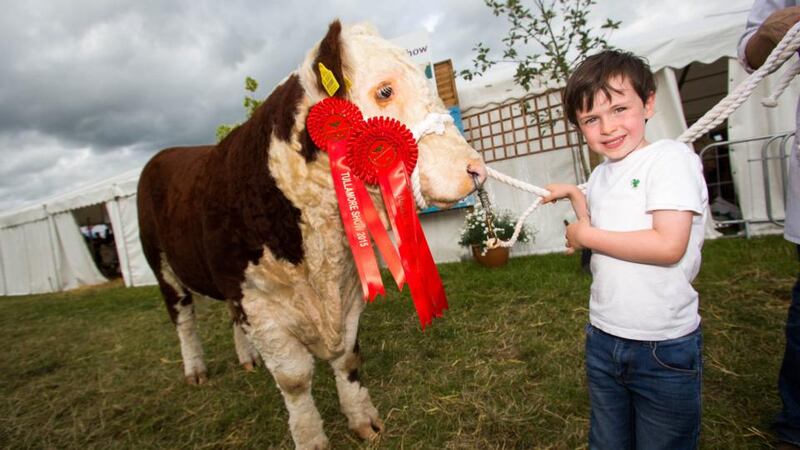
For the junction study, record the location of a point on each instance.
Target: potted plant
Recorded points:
(475, 235)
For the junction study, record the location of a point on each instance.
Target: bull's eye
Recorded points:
(384, 92)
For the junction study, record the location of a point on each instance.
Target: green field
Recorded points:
(100, 368)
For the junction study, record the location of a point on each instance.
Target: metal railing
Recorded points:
(783, 139)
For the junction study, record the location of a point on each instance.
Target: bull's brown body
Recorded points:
(254, 221)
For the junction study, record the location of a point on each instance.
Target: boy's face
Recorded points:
(615, 127)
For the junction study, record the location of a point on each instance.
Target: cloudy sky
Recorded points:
(93, 88)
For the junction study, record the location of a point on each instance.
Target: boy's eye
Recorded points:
(620, 109)
(589, 120)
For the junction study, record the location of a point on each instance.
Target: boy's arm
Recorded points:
(664, 244)
(570, 191)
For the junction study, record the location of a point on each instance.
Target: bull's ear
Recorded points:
(330, 56)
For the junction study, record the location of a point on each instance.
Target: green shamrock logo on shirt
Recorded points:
(635, 183)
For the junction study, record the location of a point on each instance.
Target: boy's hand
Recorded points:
(559, 191)
(570, 191)
(574, 232)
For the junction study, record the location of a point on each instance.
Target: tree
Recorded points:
(561, 30)
(559, 27)
(250, 105)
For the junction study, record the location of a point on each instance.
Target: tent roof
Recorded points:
(121, 185)
(703, 40)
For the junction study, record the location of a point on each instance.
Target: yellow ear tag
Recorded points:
(347, 83)
(328, 80)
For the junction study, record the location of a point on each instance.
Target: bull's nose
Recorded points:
(477, 170)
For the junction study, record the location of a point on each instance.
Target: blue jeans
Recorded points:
(644, 394)
(787, 424)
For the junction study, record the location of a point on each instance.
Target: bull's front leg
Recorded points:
(362, 416)
(292, 366)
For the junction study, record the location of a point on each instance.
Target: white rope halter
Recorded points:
(432, 123)
(785, 49)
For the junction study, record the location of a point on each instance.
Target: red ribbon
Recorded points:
(383, 151)
(330, 123)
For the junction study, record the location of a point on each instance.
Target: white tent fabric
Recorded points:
(43, 250)
(29, 261)
(45, 255)
(15, 262)
(668, 121)
(3, 287)
(124, 220)
(38, 241)
(704, 40)
(75, 264)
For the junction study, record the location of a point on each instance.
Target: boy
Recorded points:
(643, 219)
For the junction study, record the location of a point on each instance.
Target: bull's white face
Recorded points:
(386, 83)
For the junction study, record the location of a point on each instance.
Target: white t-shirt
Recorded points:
(644, 301)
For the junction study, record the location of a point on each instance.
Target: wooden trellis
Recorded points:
(534, 124)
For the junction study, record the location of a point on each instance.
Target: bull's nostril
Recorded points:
(477, 172)
(475, 180)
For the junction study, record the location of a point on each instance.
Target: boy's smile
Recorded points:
(614, 128)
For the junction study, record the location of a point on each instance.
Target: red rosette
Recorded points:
(332, 120)
(375, 145)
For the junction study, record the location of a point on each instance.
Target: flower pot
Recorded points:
(494, 257)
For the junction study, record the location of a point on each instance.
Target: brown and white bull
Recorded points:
(254, 221)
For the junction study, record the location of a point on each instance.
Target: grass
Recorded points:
(100, 368)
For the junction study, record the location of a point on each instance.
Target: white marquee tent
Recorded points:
(42, 250)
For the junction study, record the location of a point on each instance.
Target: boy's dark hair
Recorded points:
(594, 73)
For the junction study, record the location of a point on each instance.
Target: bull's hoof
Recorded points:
(197, 378)
(369, 431)
(250, 360)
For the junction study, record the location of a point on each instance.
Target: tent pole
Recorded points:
(51, 226)
(3, 271)
(118, 213)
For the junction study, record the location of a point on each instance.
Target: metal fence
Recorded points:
(719, 179)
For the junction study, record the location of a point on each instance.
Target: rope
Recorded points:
(432, 123)
(785, 48)
(783, 83)
(721, 111)
(539, 192)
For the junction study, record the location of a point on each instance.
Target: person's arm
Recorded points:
(771, 31)
(570, 191)
(664, 244)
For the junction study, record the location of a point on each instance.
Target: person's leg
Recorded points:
(787, 423)
(666, 380)
(610, 423)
